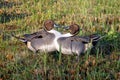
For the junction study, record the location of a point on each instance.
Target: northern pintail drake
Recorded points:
(42, 41)
(70, 44)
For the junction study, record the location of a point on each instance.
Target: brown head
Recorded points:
(49, 25)
(74, 29)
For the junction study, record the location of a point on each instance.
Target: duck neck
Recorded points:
(57, 45)
(67, 35)
(56, 33)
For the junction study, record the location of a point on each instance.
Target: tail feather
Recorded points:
(21, 39)
(26, 35)
(95, 38)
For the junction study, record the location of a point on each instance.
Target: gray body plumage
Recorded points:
(43, 44)
(77, 44)
(40, 34)
(42, 40)
(39, 41)
(69, 46)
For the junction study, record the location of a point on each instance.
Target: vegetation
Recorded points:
(27, 16)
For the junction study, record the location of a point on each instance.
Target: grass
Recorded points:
(94, 16)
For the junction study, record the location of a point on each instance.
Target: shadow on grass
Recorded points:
(8, 4)
(5, 17)
(108, 44)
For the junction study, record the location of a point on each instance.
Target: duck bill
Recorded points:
(57, 26)
(66, 27)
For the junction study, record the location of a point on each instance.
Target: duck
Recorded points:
(43, 40)
(69, 43)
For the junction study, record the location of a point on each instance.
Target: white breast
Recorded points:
(88, 46)
(30, 47)
(59, 36)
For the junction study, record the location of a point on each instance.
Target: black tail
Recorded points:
(95, 38)
(21, 39)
